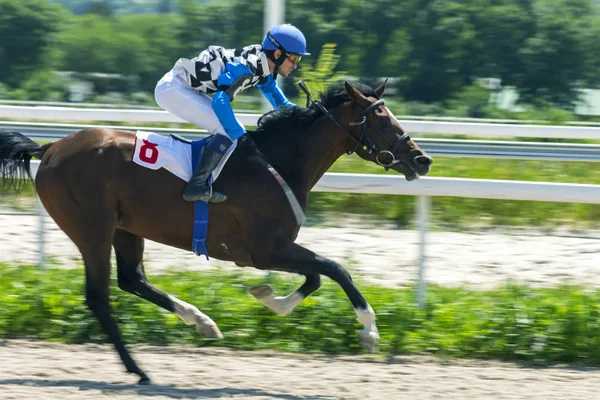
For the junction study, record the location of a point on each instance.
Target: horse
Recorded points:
(100, 198)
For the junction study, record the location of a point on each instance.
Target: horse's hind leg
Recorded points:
(129, 250)
(288, 256)
(280, 305)
(91, 228)
(97, 271)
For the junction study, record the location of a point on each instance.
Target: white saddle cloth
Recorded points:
(154, 151)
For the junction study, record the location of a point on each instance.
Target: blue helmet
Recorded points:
(286, 38)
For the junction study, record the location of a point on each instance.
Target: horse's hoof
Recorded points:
(144, 380)
(209, 331)
(261, 291)
(369, 341)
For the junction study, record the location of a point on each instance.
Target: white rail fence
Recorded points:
(66, 114)
(434, 146)
(34, 103)
(427, 187)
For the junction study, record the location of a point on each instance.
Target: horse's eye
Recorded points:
(384, 122)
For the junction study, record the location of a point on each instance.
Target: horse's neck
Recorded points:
(315, 151)
(327, 147)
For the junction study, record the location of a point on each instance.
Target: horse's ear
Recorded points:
(350, 90)
(355, 94)
(379, 91)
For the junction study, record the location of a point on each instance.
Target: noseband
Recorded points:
(370, 147)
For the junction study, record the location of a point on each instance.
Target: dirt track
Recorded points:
(34, 370)
(388, 257)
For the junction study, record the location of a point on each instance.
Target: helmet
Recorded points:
(286, 38)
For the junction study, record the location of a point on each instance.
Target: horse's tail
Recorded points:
(16, 151)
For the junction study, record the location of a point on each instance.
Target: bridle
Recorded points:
(369, 146)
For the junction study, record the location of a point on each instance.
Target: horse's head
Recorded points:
(380, 138)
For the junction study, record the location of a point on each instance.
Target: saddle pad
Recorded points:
(154, 151)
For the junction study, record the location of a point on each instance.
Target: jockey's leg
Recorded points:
(200, 185)
(196, 107)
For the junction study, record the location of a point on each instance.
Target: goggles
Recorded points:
(294, 58)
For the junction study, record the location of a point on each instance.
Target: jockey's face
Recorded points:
(289, 64)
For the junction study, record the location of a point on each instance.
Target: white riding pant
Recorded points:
(175, 96)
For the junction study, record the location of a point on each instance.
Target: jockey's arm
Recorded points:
(273, 93)
(230, 83)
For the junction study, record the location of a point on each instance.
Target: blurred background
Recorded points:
(464, 77)
(512, 59)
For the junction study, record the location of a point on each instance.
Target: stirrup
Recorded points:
(210, 197)
(217, 197)
(214, 197)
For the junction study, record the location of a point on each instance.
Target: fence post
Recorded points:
(42, 218)
(423, 206)
(274, 14)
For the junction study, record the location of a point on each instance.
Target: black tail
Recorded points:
(16, 151)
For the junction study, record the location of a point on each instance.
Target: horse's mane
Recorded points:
(291, 120)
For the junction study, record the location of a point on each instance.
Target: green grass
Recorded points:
(534, 326)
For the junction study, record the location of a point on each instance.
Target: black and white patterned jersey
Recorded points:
(202, 72)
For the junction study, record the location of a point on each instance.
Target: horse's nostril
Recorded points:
(424, 160)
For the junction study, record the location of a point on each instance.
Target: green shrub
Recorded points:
(517, 323)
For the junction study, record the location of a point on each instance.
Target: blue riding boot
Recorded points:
(199, 187)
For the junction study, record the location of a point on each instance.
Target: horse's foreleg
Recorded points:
(132, 278)
(282, 306)
(291, 257)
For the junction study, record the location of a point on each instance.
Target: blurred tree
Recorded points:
(318, 75)
(322, 21)
(553, 60)
(472, 101)
(204, 25)
(164, 7)
(99, 7)
(27, 30)
(548, 49)
(247, 22)
(45, 86)
(439, 40)
(4, 91)
(95, 44)
(160, 48)
(591, 50)
(75, 6)
(502, 29)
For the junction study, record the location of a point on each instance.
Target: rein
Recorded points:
(369, 147)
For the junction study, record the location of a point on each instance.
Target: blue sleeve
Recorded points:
(273, 94)
(232, 72)
(230, 83)
(221, 104)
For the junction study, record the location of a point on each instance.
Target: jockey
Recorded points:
(184, 91)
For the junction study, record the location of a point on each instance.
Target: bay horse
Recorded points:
(100, 198)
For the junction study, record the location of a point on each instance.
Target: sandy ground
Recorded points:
(33, 370)
(384, 256)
